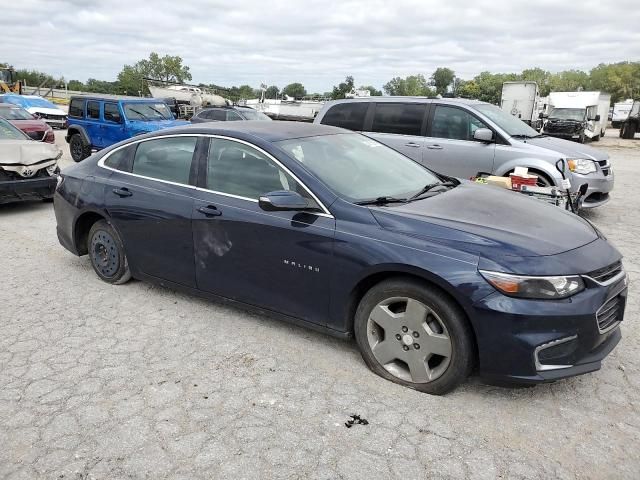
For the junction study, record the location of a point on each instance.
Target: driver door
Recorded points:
(277, 260)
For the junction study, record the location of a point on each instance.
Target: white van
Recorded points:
(577, 115)
(523, 101)
(621, 112)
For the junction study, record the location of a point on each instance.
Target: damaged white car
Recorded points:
(28, 169)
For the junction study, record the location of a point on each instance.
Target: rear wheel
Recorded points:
(628, 130)
(411, 334)
(107, 255)
(79, 148)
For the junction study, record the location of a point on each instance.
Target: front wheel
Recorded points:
(107, 254)
(411, 334)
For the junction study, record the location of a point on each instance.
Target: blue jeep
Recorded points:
(98, 122)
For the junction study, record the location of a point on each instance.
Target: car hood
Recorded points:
(490, 222)
(567, 148)
(30, 125)
(26, 152)
(156, 125)
(48, 111)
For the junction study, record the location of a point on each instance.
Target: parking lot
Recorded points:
(137, 381)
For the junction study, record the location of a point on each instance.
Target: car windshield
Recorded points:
(147, 112)
(568, 114)
(15, 113)
(251, 114)
(9, 132)
(511, 125)
(358, 168)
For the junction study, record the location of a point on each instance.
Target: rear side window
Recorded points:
(121, 159)
(347, 115)
(233, 116)
(399, 118)
(214, 114)
(93, 110)
(76, 108)
(165, 159)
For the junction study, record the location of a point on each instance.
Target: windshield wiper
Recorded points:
(382, 201)
(430, 187)
(139, 113)
(159, 113)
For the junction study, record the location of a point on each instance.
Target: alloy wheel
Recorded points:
(409, 340)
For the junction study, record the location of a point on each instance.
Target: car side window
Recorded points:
(238, 169)
(111, 113)
(454, 123)
(347, 115)
(233, 116)
(76, 108)
(121, 158)
(93, 110)
(165, 159)
(398, 118)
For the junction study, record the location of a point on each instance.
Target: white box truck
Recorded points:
(577, 115)
(621, 112)
(522, 100)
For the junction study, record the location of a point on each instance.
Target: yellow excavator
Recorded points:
(8, 82)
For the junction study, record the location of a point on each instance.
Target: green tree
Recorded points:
(569, 81)
(490, 85)
(342, 89)
(34, 78)
(374, 92)
(294, 90)
(272, 92)
(76, 85)
(468, 89)
(413, 85)
(442, 78)
(168, 68)
(540, 76)
(621, 80)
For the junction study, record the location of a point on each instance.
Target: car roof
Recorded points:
(411, 99)
(116, 98)
(268, 131)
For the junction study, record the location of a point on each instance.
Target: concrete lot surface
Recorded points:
(136, 381)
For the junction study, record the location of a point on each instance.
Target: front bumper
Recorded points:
(535, 341)
(600, 185)
(27, 189)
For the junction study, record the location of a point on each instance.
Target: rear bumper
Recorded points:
(27, 189)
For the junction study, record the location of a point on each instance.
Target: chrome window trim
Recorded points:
(542, 367)
(325, 210)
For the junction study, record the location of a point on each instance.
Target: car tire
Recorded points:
(107, 254)
(627, 131)
(413, 312)
(79, 148)
(596, 138)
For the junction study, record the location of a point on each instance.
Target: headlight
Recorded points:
(582, 165)
(534, 287)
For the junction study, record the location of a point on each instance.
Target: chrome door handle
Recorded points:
(412, 144)
(122, 192)
(434, 147)
(210, 211)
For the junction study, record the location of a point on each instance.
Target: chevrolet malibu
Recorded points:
(434, 277)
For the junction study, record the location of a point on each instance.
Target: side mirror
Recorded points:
(483, 135)
(597, 119)
(282, 200)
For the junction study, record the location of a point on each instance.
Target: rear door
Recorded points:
(449, 146)
(401, 126)
(93, 124)
(349, 115)
(150, 199)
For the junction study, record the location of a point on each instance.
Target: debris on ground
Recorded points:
(356, 420)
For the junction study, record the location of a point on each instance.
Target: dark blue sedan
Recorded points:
(327, 228)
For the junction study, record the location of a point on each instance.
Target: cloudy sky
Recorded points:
(317, 42)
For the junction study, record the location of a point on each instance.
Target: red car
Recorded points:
(34, 127)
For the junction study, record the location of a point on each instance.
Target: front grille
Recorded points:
(607, 273)
(49, 116)
(610, 313)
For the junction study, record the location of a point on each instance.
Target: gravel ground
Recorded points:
(137, 381)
